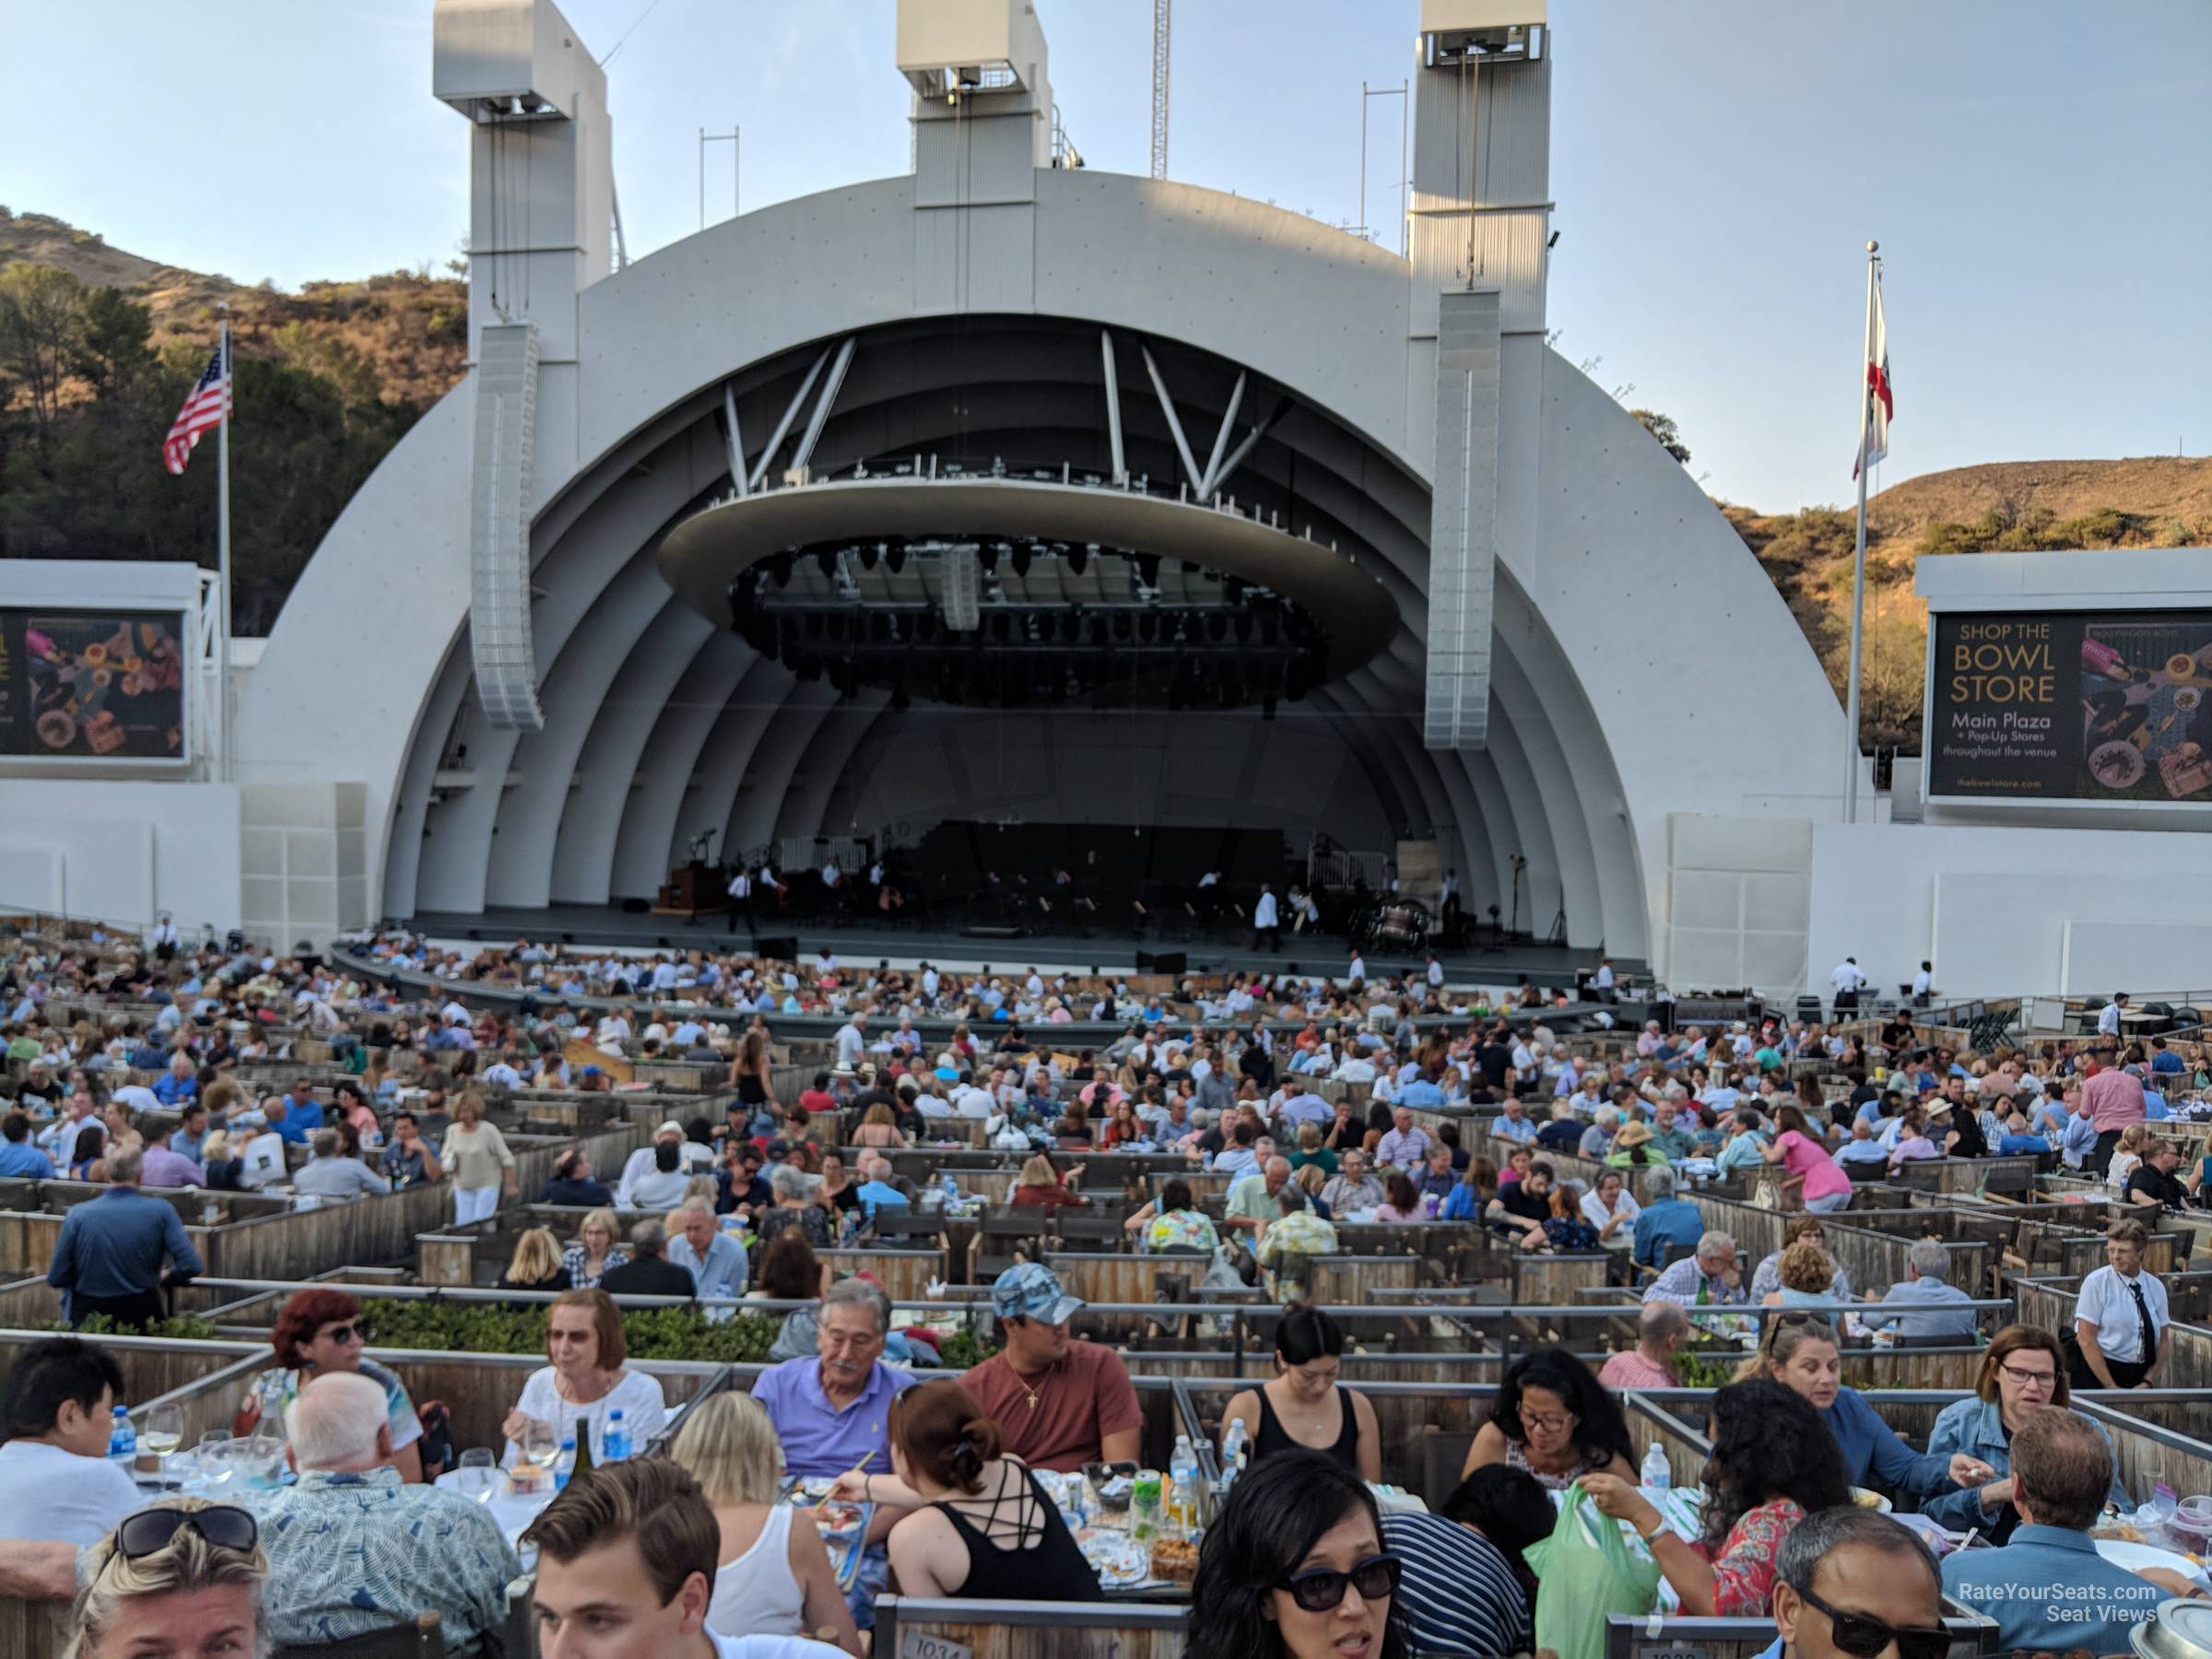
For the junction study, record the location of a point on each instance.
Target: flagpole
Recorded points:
(222, 532)
(1858, 560)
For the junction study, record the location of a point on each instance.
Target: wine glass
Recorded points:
(163, 1431)
(479, 1478)
(538, 1447)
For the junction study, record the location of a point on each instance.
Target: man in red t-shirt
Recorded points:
(1059, 1403)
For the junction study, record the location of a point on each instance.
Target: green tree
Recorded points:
(1661, 426)
(42, 319)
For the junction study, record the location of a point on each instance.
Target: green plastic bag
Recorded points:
(1589, 1571)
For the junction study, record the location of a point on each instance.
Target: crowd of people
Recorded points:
(693, 1538)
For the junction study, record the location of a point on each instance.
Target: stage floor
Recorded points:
(1327, 955)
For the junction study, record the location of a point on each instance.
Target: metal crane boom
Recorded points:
(1161, 25)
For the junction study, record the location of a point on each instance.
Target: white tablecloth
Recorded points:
(513, 1511)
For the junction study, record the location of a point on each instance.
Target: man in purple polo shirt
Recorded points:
(831, 1411)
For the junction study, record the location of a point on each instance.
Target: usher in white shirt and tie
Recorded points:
(2108, 1302)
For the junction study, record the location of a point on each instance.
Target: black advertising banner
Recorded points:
(87, 685)
(2071, 706)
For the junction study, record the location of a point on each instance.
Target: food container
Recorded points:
(2191, 1522)
(1175, 1560)
(2181, 1630)
(1869, 1501)
(1112, 1483)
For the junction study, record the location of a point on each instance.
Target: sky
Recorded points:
(2040, 177)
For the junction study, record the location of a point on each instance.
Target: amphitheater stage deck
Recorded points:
(609, 926)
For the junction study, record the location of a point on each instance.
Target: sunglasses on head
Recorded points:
(150, 1531)
(1375, 1578)
(1865, 1637)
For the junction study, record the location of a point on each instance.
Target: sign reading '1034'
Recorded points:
(2070, 706)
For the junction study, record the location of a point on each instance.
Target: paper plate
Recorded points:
(2135, 1556)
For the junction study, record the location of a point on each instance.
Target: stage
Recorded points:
(1321, 956)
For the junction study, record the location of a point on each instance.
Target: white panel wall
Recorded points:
(122, 851)
(2099, 957)
(1991, 906)
(1737, 903)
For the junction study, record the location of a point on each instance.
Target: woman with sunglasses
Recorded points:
(1294, 1568)
(2024, 1367)
(1554, 1419)
(183, 1577)
(318, 1331)
(1800, 1352)
(1774, 1463)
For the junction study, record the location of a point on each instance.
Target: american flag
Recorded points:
(203, 411)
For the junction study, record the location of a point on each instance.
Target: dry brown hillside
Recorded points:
(2152, 502)
(400, 336)
(2152, 487)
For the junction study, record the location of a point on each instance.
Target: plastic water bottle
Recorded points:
(123, 1439)
(1182, 1486)
(1657, 1472)
(952, 1189)
(614, 1445)
(565, 1464)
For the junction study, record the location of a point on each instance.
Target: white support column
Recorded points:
(791, 413)
(821, 404)
(1114, 407)
(1167, 407)
(733, 436)
(1212, 479)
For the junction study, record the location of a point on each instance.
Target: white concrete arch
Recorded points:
(1612, 539)
(583, 856)
(727, 754)
(576, 687)
(646, 846)
(782, 746)
(801, 812)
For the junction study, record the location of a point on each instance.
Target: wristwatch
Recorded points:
(1658, 1526)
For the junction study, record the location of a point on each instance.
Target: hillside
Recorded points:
(343, 368)
(406, 329)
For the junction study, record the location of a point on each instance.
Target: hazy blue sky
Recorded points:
(2037, 174)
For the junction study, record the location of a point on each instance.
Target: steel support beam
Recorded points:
(1114, 407)
(800, 456)
(1211, 480)
(791, 413)
(733, 436)
(1167, 407)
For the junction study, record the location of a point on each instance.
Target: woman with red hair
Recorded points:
(318, 1331)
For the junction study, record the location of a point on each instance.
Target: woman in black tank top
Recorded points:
(1303, 1409)
(982, 1526)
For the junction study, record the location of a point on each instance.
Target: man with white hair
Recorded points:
(713, 1258)
(1708, 1277)
(1933, 1298)
(353, 1549)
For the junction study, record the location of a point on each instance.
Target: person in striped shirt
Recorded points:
(1465, 1590)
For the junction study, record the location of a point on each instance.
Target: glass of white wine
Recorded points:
(540, 1448)
(163, 1431)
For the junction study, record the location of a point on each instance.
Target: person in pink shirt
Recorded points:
(1660, 1328)
(2115, 1102)
(1804, 1153)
